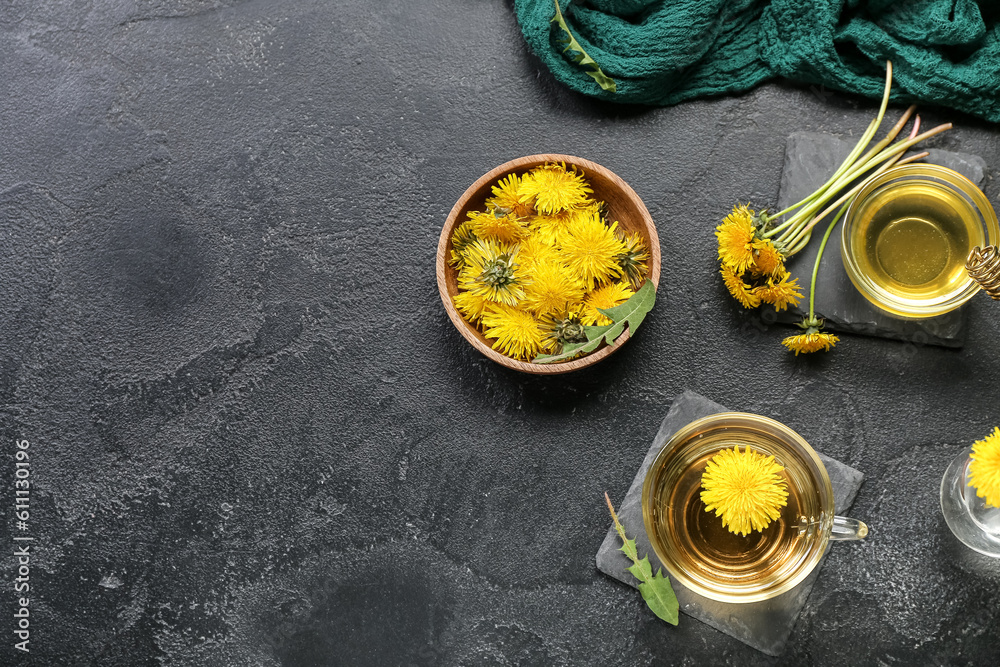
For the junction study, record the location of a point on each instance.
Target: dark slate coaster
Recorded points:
(810, 159)
(763, 625)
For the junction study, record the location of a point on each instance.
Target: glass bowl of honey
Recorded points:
(907, 236)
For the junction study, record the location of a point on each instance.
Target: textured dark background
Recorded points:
(258, 440)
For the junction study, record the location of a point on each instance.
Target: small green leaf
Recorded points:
(632, 312)
(579, 56)
(628, 548)
(659, 597)
(655, 590)
(641, 569)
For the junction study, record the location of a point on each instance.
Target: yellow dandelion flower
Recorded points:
(534, 249)
(736, 239)
(766, 259)
(555, 188)
(552, 228)
(632, 261)
(741, 291)
(744, 488)
(507, 198)
(591, 249)
(471, 305)
(810, 342)
(516, 332)
(460, 240)
(492, 272)
(553, 287)
(607, 296)
(561, 329)
(505, 227)
(780, 294)
(984, 470)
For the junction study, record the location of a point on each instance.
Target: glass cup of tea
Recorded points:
(701, 553)
(908, 234)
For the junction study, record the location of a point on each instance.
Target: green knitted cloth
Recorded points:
(662, 52)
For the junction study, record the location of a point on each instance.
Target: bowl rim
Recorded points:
(493, 175)
(879, 297)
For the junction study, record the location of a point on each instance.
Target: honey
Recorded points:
(907, 237)
(915, 239)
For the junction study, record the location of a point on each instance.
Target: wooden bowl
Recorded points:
(623, 205)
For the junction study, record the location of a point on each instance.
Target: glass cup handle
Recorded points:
(848, 529)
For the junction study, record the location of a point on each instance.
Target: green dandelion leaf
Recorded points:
(655, 589)
(630, 313)
(579, 56)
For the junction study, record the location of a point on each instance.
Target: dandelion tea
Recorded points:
(698, 543)
(914, 239)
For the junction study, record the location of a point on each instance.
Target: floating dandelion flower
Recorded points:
(492, 272)
(608, 296)
(516, 332)
(744, 488)
(984, 470)
(591, 249)
(555, 188)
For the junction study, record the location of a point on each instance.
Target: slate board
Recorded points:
(765, 625)
(810, 159)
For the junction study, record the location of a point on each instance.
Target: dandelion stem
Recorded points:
(894, 162)
(848, 161)
(889, 156)
(819, 256)
(896, 149)
(628, 547)
(860, 146)
(800, 244)
(791, 237)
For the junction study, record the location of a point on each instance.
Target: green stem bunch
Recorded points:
(792, 234)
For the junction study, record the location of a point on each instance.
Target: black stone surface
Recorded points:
(810, 159)
(255, 436)
(764, 625)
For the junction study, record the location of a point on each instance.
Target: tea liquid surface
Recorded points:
(915, 238)
(699, 544)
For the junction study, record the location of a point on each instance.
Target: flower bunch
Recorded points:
(753, 245)
(541, 261)
(745, 255)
